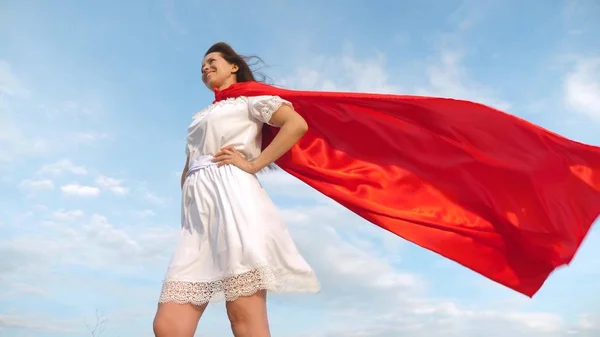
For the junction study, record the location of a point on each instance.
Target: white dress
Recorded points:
(233, 241)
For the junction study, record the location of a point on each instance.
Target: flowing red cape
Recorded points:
(497, 194)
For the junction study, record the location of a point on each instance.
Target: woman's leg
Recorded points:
(177, 320)
(248, 316)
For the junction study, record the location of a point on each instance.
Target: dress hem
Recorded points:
(241, 285)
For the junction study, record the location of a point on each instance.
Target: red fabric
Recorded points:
(497, 194)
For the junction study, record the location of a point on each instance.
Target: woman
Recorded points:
(233, 243)
(492, 192)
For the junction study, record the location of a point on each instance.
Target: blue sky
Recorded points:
(95, 98)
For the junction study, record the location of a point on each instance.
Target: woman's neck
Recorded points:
(227, 84)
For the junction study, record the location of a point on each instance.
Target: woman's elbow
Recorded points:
(302, 126)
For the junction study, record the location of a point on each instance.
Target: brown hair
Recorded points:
(244, 63)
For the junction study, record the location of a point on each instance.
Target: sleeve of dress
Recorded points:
(263, 107)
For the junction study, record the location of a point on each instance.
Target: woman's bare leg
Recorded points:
(248, 316)
(177, 320)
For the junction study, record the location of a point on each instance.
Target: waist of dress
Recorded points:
(199, 163)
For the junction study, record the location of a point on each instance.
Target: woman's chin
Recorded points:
(211, 85)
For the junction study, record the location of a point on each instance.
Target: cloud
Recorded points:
(106, 235)
(36, 185)
(153, 198)
(89, 136)
(111, 184)
(22, 322)
(446, 319)
(62, 166)
(354, 261)
(581, 16)
(106, 241)
(343, 72)
(10, 83)
(20, 289)
(80, 245)
(146, 213)
(353, 264)
(589, 324)
(80, 190)
(582, 88)
(75, 110)
(67, 215)
(447, 77)
(94, 237)
(16, 145)
(20, 139)
(171, 18)
(13, 142)
(281, 184)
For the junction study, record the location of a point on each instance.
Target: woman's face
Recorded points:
(217, 72)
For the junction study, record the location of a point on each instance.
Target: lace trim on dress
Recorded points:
(231, 288)
(268, 107)
(204, 112)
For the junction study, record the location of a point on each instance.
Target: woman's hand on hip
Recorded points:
(230, 156)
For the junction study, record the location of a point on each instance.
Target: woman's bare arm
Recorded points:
(292, 128)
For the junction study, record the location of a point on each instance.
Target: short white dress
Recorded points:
(233, 241)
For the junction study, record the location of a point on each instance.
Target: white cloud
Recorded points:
(447, 77)
(146, 213)
(582, 88)
(62, 166)
(153, 198)
(354, 265)
(13, 142)
(171, 18)
(34, 185)
(21, 139)
(343, 73)
(75, 111)
(581, 16)
(281, 184)
(446, 319)
(80, 190)
(19, 289)
(10, 83)
(89, 136)
(92, 244)
(67, 215)
(22, 322)
(107, 235)
(589, 324)
(112, 184)
(343, 264)
(16, 145)
(366, 291)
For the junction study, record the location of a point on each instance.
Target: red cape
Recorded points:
(497, 194)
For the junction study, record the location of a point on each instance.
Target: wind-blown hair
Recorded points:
(244, 63)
